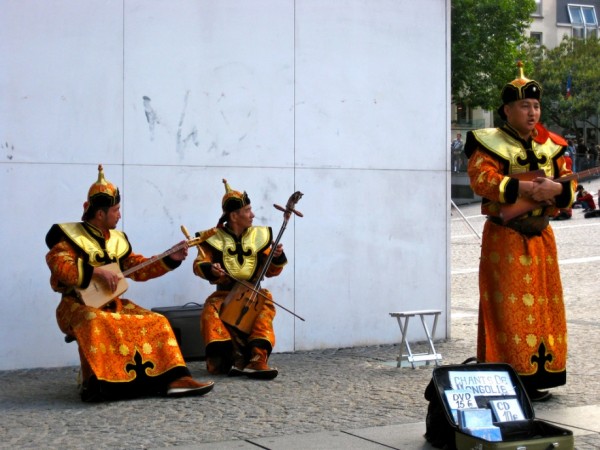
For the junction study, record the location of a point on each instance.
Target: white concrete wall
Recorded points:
(345, 100)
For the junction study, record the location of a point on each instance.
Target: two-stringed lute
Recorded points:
(97, 294)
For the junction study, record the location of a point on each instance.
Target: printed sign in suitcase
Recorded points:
(185, 321)
(489, 408)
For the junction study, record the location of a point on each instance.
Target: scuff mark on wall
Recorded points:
(10, 150)
(168, 215)
(151, 116)
(157, 194)
(191, 136)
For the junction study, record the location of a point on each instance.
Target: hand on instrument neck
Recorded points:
(181, 254)
(278, 251)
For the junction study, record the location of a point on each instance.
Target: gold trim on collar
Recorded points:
(240, 258)
(512, 150)
(116, 246)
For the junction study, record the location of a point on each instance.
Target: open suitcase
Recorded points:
(185, 321)
(489, 409)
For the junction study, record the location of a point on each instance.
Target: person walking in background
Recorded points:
(456, 149)
(522, 318)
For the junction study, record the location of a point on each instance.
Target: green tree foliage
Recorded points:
(487, 36)
(579, 59)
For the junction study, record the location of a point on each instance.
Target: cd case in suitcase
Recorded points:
(489, 408)
(185, 322)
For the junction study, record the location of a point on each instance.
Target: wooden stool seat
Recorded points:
(415, 358)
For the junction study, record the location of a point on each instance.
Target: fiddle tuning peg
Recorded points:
(282, 209)
(203, 235)
(185, 232)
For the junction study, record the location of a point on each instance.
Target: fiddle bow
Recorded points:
(243, 304)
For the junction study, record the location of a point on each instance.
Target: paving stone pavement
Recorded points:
(326, 390)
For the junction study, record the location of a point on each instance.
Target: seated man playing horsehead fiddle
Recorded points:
(125, 350)
(231, 259)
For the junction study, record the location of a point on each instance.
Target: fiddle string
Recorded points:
(255, 290)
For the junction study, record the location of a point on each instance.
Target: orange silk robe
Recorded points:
(122, 341)
(521, 308)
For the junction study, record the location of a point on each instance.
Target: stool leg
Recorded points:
(399, 360)
(404, 343)
(435, 322)
(430, 335)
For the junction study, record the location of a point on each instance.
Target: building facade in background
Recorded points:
(552, 21)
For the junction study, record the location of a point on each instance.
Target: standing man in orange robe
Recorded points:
(125, 350)
(521, 308)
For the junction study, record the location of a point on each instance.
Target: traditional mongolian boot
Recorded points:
(257, 367)
(237, 368)
(186, 386)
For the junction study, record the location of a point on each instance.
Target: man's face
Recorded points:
(523, 115)
(110, 219)
(243, 217)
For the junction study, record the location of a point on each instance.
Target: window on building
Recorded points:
(538, 8)
(536, 37)
(463, 114)
(584, 21)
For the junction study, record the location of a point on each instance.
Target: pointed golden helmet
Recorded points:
(232, 201)
(101, 194)
(519, 89)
